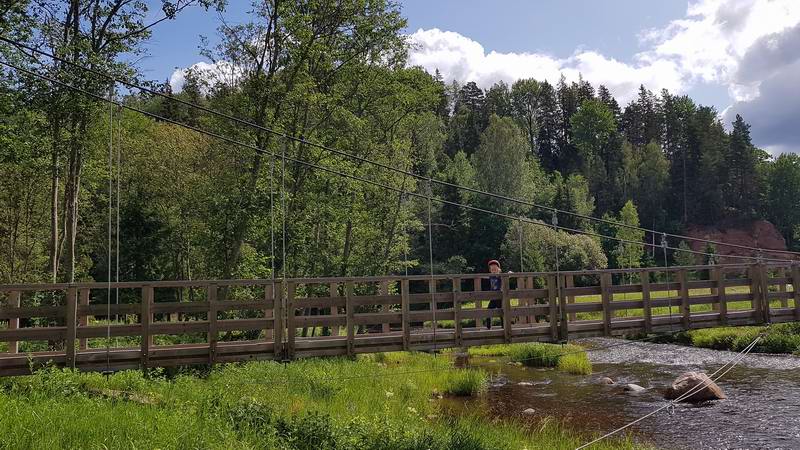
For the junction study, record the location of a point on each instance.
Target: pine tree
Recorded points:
(741, 174)
(548, 135)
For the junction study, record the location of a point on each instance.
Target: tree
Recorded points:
(595, 136)
(573, 194)
(627, 253)
(683, 256)
(548, 135)
(742, 179)
(525, 106)
(539, 244)
(783, 198)
(653, 184)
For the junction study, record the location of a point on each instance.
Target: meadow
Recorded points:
(384, 401)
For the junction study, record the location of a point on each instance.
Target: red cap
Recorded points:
(495, 262)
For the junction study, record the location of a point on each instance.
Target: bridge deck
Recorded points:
(241, 320)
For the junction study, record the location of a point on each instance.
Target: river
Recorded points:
(762, 410)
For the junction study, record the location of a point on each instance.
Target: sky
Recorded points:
(741, 56)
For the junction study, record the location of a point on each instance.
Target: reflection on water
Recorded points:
(762, 410)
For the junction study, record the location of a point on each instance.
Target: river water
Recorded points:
(762, 410)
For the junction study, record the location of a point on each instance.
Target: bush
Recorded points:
(569, 358)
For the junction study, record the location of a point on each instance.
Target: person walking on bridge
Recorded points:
(494, 285)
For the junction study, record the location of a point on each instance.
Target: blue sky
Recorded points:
(737, 55)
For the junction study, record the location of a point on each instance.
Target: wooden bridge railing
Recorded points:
(148, 324)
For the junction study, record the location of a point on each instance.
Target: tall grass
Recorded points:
(382, 402)
(778, 338)
(568, 358)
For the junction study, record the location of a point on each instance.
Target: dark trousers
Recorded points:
(494, 304)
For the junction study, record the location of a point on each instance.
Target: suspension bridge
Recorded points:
(220, 321)
(283, 319)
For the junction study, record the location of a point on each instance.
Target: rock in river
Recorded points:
(605, 380)
(687, 382)
(633, 388)
(529, 412)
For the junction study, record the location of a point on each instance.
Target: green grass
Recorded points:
(308, 404)
(568, 358)
(778, 338)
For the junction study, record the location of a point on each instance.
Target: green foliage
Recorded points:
(467, 382)
(567, 358)
(683, 256)
(778, 338)
(265, 405)
(539, 244)
(627, 253)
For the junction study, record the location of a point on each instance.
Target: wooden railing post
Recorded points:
(782, 288)
(433, 308)
(350, 310)
(14, 301)
(570, 282)
(563, 334)
(72, 326)
(795, 290)
(384, 290)
(333, 291)
(764, 290)
(269, 313)
(213, 333)
(719, 281)
(644, 279)
(684, 292)
(83, 318)
(605, 298)
(755, 298)
(146, 318)
(404, 307)
(291, 328)
(277, 336)
(457, 310)
(506, 305)
(552, 299)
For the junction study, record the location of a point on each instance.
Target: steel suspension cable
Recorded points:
(369, 161)
(110, 214)
(432, 282)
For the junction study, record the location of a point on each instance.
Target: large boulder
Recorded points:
(687, 382)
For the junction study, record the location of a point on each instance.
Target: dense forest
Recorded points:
(193, 206)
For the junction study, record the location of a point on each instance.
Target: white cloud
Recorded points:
(221, 71)
(460, 58)
(751, 47)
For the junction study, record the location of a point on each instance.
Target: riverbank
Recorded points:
(777, 338)
(389, 401)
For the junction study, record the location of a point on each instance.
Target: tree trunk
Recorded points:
(54, 247)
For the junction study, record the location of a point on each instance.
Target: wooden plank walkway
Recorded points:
(242, 320)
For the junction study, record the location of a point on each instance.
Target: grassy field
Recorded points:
(380, 402)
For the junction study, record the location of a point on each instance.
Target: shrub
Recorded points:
(466, 382)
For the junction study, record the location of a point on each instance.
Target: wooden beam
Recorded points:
(71, 326)
(457, 310)
(684, 293)
(605, 296)
(404, 307)
(146, 318)
(796, 290)
(14, 300)
(83, 321)
(563, 334)
(350, 310)
(280, 312)
(213, 332)
(644, 279)
(506, 305)
(719, 278)
(291, 326)
(552, 299)
(384, 290)
(269, 313)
